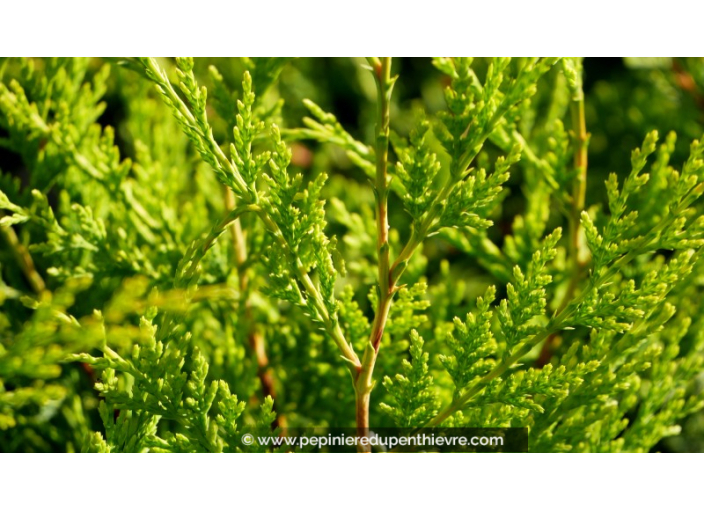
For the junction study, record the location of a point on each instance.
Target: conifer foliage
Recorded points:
(192, 250)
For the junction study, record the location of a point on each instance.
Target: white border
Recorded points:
(327, 28)
(430, 481)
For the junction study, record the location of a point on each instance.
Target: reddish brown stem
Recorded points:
(256, 340)
(363, 378)
(362, 417)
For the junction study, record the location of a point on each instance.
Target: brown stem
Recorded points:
(265, 375)
(363, 390)
(386, 285)
(256, 340)
(362, 417)
(546, 351)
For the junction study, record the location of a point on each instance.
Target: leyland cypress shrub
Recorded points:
(194, 250)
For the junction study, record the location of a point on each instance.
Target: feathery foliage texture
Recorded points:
(192, 250)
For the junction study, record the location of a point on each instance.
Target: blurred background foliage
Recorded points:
(625, 99)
